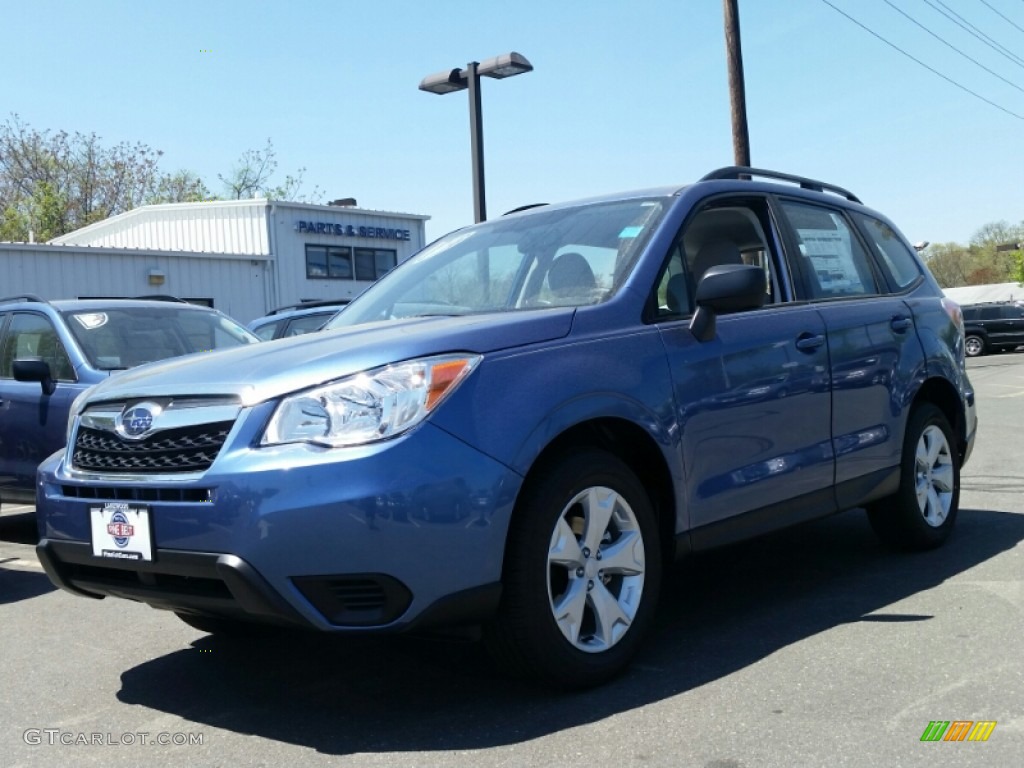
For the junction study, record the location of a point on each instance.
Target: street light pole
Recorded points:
(476, 141)
(448, 81)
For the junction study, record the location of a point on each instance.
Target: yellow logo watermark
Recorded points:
(958, 730)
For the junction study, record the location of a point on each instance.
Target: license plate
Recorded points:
(121, 532)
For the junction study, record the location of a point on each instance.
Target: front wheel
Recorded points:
(921, 514)
(582, 573)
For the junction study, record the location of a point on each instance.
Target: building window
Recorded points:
(374, 263)
(330, 262)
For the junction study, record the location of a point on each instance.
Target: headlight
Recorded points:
(369, 406)
(76, 406)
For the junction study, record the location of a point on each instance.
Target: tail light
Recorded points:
(954, 312)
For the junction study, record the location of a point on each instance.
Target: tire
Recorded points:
(974, 346)
(921, 514)
(582, 573)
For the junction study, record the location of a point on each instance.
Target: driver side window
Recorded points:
(32, 335)
(724, 232)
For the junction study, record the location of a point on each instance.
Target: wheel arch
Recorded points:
(636, 448)
(943, 395)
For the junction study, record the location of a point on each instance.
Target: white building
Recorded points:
(243, 257)
(982, 294)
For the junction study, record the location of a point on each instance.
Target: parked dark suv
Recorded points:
(52, 351)
(524, 424)
(994, 327)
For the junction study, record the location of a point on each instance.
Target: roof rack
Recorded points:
(742, 171)
(25, 297)
(160, 297)
(310, 305)
(526, 207)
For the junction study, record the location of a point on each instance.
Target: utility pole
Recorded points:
(737, 90)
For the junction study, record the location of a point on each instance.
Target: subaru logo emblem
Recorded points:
(137, 421)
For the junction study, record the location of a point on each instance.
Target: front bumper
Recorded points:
(384, 537)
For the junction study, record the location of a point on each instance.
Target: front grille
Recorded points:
(186, 449)
(145, 493)
(153, 582)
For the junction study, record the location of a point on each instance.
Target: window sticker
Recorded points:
(630, 232)
(831, 254)
(91, 320)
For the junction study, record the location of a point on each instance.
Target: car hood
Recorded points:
(259, 372)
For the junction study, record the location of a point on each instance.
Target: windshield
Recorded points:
(558, 258)
(114, 338)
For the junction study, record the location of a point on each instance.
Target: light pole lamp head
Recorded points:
(505, 65)
(444, 82)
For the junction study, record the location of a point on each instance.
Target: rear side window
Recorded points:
(898, 259)
(832, 260)
(1011, 312)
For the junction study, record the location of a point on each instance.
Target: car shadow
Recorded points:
(17, 583)
(19, 528)
(720, 612)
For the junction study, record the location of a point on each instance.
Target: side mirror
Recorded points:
(35, 369)
(726, 288)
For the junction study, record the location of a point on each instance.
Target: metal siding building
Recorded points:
(244, 257)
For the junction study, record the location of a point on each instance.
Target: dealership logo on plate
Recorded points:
(120, 529)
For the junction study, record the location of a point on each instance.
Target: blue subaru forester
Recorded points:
(524, 424)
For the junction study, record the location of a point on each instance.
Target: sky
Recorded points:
(624, 95)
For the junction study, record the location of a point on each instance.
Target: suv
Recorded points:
(296, 319)
(50, 352)
(523, 425)
(998, 326)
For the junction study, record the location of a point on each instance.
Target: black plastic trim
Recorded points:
(205, 582)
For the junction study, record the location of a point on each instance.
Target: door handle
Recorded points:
(900, 323)
(808, 342)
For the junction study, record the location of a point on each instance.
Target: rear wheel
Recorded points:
(582, 573)
(974, 346)
(921, 514)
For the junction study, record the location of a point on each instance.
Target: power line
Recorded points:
(964, 24)
(934, 71)
(1000, 13)
(950, 45)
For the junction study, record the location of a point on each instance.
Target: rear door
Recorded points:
(874, 353)
(1010, 326)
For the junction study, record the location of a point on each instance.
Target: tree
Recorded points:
(181, 187)
(250, 177)
(948, 263)
(982, 261)
(52, 183)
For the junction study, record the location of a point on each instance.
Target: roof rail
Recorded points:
(526, 207)
(310, 305)
(742, 171)
(160, 297)
(25, 297)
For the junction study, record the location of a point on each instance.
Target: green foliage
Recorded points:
(250, 177)
(981, 262)
(52, 183)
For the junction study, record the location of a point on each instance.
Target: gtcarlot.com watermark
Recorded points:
(55, 736)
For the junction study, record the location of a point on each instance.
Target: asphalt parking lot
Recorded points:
(810, 647)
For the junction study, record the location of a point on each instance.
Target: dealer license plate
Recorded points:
(121, 531)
